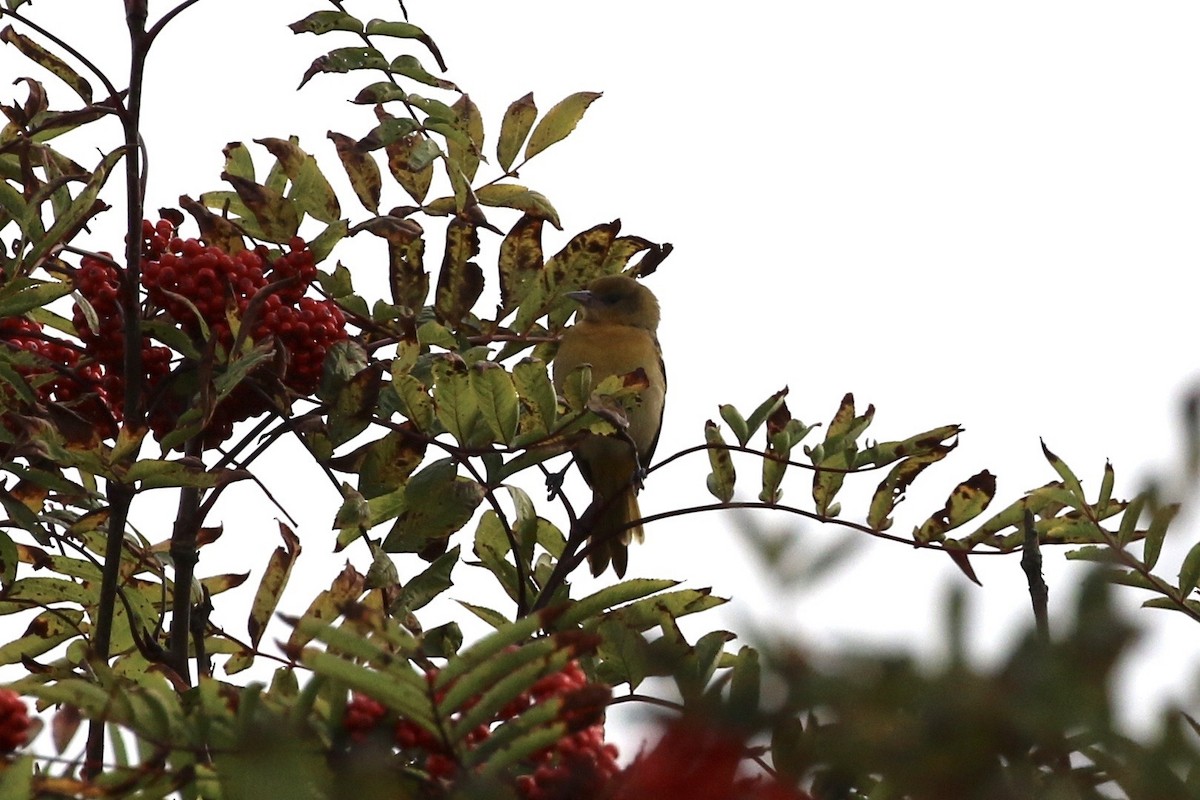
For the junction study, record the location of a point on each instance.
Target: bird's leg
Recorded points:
(554, 480)
(639, 473)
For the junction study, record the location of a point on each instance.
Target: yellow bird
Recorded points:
(616, 333)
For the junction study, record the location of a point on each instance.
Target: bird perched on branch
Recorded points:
(615, 332)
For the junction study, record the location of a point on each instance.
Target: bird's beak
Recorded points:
(583, 297)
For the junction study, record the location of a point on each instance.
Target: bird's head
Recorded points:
(618, 300)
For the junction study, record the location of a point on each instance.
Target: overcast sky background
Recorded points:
(966, 213)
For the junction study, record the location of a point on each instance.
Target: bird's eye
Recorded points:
(610, 299)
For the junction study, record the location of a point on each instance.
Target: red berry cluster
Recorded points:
(14, 721)
(194, 282)
(54, 376)
(99, 282)
(577, 767)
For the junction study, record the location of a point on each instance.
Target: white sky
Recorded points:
(961, 212)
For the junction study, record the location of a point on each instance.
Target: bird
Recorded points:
(616, 333)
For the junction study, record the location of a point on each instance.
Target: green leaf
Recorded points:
(765, 409)
(437, 503)
(488, 615)
(346, 59)
(559, 121)
(1157, 531)
(1129, 519)
(489, 646)
(407, 697)
(454, 402)
(25, 294)
(320, 22)
(625, 655)
(610, 597)
(520, 198)
(744, 683)
(736, 423)
(1068, 478)
(535, 729)
(434, 580)
(82, 208)
(403, 30)
(514, 128)
(496, 398)
(274, 581)
(720, 481)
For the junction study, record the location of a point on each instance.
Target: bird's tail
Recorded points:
(611, 533)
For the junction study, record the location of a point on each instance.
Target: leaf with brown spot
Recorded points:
(345, 59)
(519, 198)
(514, 128)
(276, 217)
(967, 501)
(361, 169)
(347, 586)
(723, 476)
(891, 489)
(438, 502)
(470, 121)
(46, 631)
(215, 230)
(274, 581)
(223, 583)
(520, 263)
(44, 58)
(407, 277)
(388, 462)
(310, 190)
(460, 282)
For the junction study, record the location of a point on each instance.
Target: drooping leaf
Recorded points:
(346, 59)
(891, 489)
(404, 30)
(49, 61)
(320, 22)
(470, 122)
(430, 583)
(460, 282)
(720, 481)
(519, 198)
(310, 190)
(274, 581)
(277, 218)
(361, 169)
